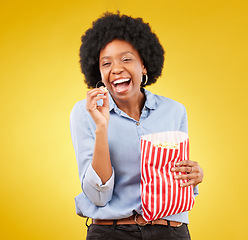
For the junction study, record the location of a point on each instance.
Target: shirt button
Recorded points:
(137, 123)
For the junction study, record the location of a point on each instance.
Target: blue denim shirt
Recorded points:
(120, 195)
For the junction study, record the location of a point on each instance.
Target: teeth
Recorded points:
(121, 80)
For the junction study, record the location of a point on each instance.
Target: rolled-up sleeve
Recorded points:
(93, 188)
(83, 139)
(196, 191)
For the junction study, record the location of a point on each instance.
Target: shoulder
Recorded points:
(161, 100)
(164, 102)
(79, 107)
(80, 119)
(79, 112)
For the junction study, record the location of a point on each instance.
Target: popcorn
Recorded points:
(105, 89)
(165, 144)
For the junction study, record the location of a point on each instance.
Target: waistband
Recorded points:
(137, 219)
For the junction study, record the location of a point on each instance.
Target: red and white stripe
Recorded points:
(161, 194)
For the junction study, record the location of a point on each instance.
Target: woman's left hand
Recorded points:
(190, 170)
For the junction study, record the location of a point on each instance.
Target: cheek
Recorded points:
(104, 77)
(139, 68)
(102, 74)
(138, 73)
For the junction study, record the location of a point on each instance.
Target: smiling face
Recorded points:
(121, 70)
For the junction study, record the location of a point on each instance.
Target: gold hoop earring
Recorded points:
(99, 84)
(142, 79)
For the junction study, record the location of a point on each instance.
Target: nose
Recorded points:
(117, 68)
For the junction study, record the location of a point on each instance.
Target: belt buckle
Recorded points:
(179, 225)
(136, 220)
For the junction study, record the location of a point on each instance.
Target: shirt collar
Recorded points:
(149, 103)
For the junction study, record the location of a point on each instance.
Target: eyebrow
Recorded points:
(122, 53)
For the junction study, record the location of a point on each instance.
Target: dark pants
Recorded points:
(136, 232)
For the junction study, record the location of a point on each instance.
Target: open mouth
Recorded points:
(121, 85)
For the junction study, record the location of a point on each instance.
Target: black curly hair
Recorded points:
(115, 26)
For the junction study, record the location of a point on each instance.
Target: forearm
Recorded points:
(101, 159)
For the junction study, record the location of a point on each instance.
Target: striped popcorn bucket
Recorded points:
(161, 194)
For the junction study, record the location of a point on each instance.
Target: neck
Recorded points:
(133, 106)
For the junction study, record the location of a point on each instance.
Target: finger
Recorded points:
(184, 176)
(95, 91)
(188, 183)
(92, 102)
(184, 169)
(106, 100)
(186, 163)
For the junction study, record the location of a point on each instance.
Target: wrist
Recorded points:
(101, 128)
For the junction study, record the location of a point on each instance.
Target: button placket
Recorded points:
(139, 129)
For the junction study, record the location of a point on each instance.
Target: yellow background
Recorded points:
(205, 69)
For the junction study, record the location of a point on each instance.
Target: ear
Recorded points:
(144, 71)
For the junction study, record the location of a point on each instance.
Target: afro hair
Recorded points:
(115, 26)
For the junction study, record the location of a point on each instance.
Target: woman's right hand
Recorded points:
(100, 114)
(101, 159)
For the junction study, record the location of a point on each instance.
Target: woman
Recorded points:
(123, 54)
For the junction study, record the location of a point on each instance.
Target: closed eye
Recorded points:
(126, 59)
(106, 64)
